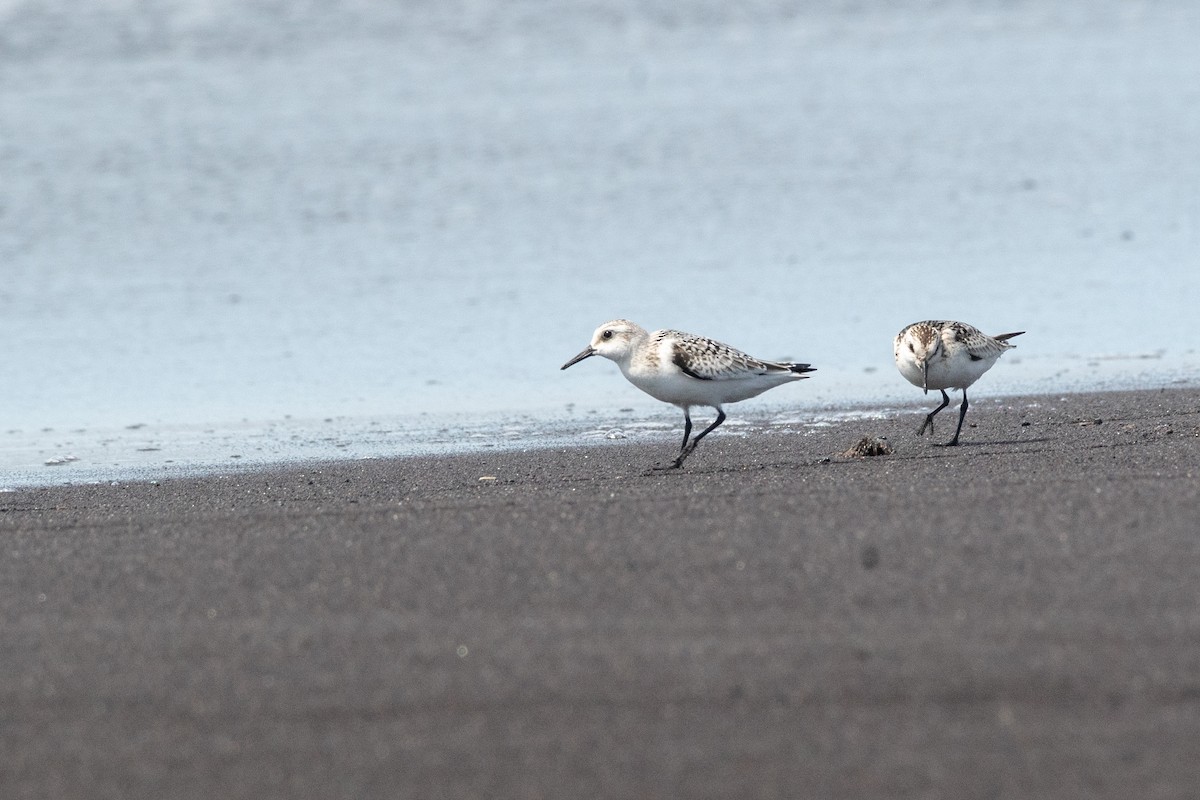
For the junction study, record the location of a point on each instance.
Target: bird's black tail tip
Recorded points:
(800, 369)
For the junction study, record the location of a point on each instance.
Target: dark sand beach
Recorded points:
(1015, 617)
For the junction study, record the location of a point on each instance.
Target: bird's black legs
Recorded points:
(687, 431)
(928, 425)
(687, 448)
(708, 430)
(962, 414)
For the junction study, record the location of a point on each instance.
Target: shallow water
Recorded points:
(356, 232)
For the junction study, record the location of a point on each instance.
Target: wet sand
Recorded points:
(1014, 617)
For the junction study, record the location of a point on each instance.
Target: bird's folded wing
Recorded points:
(709, 360)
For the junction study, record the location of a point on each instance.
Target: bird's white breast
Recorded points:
(910, 368)
(956, 369)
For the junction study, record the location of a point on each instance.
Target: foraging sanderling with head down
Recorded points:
(686, 370)
(940, 354)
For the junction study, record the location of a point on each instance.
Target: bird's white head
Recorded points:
(918, 344)
(614, 340)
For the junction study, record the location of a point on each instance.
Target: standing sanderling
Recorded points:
(686, 371)
(938, 354)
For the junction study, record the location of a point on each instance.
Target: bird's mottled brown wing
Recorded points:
(710, 360)
(978, 343)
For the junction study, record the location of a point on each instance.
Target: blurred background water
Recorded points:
(284, 230)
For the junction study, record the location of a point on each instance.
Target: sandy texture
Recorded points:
(1014, 617)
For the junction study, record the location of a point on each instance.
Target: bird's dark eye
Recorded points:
(606, 335)
(910, 348)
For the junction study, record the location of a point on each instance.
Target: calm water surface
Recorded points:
(238, 234)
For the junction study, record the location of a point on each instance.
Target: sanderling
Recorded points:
(686, 371)
(938, 354)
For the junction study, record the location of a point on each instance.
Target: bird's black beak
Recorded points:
(925, 376)
(588, 352)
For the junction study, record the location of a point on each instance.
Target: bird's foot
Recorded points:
(676, 464)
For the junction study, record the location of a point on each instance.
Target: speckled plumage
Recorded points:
(709, 359)
(944, 354)
(687, 370)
